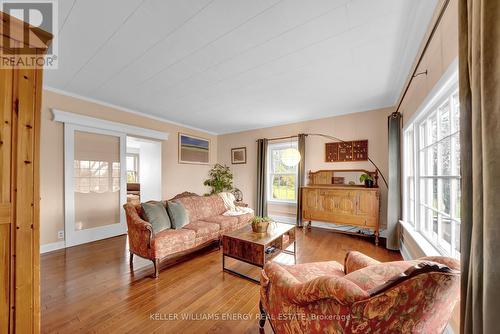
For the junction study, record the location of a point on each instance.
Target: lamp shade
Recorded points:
(290, 157)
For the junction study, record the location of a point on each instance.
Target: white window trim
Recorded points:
(137, 164)
(443, 88)
(271, 200)
(425, 246)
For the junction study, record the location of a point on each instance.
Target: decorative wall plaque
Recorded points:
(356, 150)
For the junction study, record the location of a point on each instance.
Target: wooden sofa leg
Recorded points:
(156, 263)
(131, 262)
(263, 316)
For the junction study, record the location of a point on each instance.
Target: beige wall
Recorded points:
(176, 177)
(442, 51)
(371, 125)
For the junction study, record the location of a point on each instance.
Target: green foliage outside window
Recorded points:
(283, 178)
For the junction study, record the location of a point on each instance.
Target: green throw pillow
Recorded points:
(179, 216)
(156, 214)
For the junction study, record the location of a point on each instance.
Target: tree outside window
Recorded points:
(282, 179)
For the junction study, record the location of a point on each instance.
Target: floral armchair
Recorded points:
(363, 296)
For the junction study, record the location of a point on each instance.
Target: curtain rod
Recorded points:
(426, 45)
(281, 138)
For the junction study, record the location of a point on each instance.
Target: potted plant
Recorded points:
(367, 179)
(220, 179)
(260, 224)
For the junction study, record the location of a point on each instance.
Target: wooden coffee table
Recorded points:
(250, 247)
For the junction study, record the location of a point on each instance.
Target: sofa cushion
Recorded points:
(171, 241)
(156, 214)
(308, 271)
(179, 216)
(200, 207)
(204, 231)
(226, 223)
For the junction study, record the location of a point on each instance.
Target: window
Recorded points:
(132, 168)
(282, 179)
(95, 176)
(431, 173)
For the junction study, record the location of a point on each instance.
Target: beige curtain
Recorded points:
(394, 180)
(479, 62)
(261, 200)
(301, 175)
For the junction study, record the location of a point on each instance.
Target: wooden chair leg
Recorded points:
(131, 259)
(156, 264)
(263, 316)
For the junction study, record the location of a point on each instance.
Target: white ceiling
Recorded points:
(232, 65)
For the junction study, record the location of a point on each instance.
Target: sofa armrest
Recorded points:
(355, 260)
(140, 232)
(417, 269)
(447, 261)
(141, 226)
(338, 289)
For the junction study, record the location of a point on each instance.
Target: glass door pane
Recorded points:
(95, 184)
(96, 180)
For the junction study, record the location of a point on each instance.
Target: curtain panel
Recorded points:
(261, 200)
(479, 76)
(301, 175)
(394, 186)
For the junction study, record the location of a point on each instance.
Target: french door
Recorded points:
(95, 184)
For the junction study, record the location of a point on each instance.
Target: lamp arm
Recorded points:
(343, 141)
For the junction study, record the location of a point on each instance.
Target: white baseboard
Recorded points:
(52, 247)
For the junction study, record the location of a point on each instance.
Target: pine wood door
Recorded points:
(19, 200)
(20, 99)
(6, 104)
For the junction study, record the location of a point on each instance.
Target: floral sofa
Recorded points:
(363, 296)
(206, 225)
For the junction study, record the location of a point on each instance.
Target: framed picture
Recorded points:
(239, 155)
(193, 150)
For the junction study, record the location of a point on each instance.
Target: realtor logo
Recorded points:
(40, 14)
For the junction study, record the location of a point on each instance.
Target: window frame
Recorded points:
(270, 173)
(444, 93)
(136, 163)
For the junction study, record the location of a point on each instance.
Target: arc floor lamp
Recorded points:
(291, 156)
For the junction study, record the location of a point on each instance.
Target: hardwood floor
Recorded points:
(91, 288)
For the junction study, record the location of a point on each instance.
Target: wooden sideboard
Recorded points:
(353, 205)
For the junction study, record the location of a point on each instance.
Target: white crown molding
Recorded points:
(52, 247)
(97, 123)
(124, 109)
